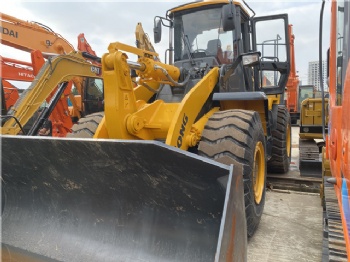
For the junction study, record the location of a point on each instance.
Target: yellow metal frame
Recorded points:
(179, 132)
(289, 140)
(311, 111)
(206, 3)
(259, 172)
(134, 118)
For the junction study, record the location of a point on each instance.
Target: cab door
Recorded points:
(270, 37)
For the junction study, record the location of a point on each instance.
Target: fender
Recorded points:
(182, 130)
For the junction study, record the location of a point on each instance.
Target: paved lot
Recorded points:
(290, 229)
(291, 226)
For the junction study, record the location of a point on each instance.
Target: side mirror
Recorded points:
(157, 30)
(228, 14)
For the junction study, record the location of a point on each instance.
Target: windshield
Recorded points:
(200, 34)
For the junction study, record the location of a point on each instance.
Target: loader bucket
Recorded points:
(108, 200)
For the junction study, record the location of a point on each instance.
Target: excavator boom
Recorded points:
(16, 32)
(16, 70)
(293, 81)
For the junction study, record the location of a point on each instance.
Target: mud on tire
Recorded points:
(86, 126)
(281, 145)
(231, 137)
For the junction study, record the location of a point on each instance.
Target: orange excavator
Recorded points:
(16, 33)
(336, 156)
(293, 82)
(12, 69)
(16, 70)
(11, 94)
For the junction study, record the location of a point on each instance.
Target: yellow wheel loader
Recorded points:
(312, 135)
(173, 169)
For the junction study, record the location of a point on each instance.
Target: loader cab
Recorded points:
(206, 34)
(199, 36)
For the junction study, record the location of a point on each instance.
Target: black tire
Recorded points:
(281, 144)
(231, 137)
(86, 126)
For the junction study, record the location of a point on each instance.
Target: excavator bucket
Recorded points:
(108, 200)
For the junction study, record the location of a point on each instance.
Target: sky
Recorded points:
(104, 22)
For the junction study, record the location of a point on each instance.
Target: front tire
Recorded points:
(237, 137)
(282, 143)
(86, 126)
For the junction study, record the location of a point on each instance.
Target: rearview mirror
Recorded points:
(157, 30)
(228, 14)
(250, 59)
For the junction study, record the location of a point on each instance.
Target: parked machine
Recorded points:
(52, 73)
(311, 135)
(12, 69)
(292, 87)
(311, 117)
(296, 95)
(336, 157)
(42, 42)
(173, 169)
(10, 94)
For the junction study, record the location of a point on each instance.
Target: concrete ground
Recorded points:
(291, 226)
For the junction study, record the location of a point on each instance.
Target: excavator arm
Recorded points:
(143, 42)
(84, 46)
(57, 70)
(293, 81)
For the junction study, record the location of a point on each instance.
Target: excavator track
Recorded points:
(294, 183)
(309, 156)
(334, 243)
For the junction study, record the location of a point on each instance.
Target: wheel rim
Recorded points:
(289, 141)
(259, 172)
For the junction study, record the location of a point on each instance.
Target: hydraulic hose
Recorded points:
(156, 67)
(47, 110)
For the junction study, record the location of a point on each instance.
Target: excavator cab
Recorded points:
(93, 96)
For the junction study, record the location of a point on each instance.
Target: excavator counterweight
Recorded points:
(122, 201)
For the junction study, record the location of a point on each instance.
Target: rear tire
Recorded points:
(86, 126)
(282, 143)
(237, 137)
